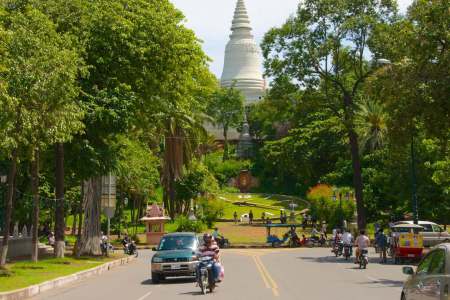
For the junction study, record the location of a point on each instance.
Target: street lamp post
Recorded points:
(415, 201)
(108, 202)
(341, 216)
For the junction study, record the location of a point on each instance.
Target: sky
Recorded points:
(211, 21)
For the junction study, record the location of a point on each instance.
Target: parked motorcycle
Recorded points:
(363, 259)
(205, 274)
(223, 242)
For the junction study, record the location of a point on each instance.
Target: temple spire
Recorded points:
(241, 19)
(242, 64)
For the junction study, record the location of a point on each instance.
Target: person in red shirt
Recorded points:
(210, 248)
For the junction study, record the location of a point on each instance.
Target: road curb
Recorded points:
(35, 290)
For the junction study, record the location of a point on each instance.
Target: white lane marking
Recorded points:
(145, 296)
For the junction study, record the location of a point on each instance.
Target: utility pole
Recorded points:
(415, 202)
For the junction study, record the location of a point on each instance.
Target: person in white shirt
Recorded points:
(362, 242)
(347, 238)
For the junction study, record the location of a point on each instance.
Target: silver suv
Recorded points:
(433, 234)
(431, 281)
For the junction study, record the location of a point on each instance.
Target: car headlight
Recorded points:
(157, 260)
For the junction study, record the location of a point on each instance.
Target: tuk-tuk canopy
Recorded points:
(407, 228)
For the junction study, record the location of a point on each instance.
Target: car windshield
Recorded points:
(177, 243)
(427, 227)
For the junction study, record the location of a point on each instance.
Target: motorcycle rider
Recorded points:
(347, 238)
(220, 239)
(210, 246)
(363, 243)
(337, 240)
(126, 242)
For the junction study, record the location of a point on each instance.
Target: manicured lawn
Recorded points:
(26, 273)
(276, 203)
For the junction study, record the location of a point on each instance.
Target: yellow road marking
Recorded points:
(272, 282)
(256, 254)
(261, 272)
(268, 280)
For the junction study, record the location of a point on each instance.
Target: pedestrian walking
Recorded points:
(324, 229)
(235, 216)
(382, 243)
(263, 216)
(250, 217)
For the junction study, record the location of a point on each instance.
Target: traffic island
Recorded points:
(36, 289)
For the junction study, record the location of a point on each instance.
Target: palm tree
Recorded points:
(182, 136)
(371, 124)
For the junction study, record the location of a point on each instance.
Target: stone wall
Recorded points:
(18, 247)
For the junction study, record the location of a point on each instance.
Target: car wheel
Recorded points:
(156, 278)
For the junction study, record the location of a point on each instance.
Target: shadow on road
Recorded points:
(170, 281)
(386, 282)
(340, 260)
(197, 293)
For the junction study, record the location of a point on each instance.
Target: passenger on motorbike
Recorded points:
(363, 243)
(210, 247)
(337, 238)
(347, 238)
(125, 241)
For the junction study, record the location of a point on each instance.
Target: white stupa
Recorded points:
(242, 64)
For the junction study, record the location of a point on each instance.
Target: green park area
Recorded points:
(104, 105)
(26, 273)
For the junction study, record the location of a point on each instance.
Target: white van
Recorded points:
(433, 234)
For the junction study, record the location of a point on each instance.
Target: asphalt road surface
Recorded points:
(311, 274)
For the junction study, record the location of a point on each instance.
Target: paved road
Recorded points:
(250, 274)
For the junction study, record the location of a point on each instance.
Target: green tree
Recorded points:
(371, 125)
(327, 42)
(226, 109)
(41, 74)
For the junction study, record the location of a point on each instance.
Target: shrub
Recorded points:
(183, 224)
(225, 170)
(212, 210)
(325, 209)
(320, 191)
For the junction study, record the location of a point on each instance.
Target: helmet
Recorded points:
(207, 238)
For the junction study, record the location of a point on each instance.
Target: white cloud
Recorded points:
(211, 21)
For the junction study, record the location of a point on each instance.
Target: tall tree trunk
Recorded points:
(36, 207)
(90, 240)
(76, 249)
(225, 143)
(356, 160)
(60, 224)
(8, 208)
(132, 212)
(74, 222)
(357, 179)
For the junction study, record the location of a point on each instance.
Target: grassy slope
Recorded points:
(26, 273)
(276, 201)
